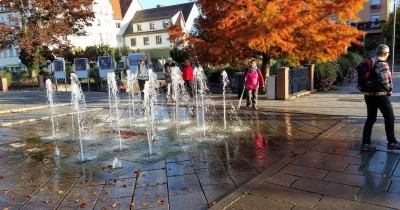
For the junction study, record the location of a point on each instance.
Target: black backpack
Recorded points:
(367, 77)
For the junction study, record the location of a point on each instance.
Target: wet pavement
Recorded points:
(189, 171)
(331, 173)
(266, 160)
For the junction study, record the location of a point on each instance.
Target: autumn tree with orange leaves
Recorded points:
(38, 27)
(231, 31)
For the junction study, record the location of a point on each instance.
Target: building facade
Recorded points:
(374, 14)
(148, 29)
(9, 58)
(108, 25)
(122, 23)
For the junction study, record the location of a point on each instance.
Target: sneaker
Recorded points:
(367, 148)
(394, 146)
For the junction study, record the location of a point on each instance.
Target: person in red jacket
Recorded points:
(253, 79)
(188, 77)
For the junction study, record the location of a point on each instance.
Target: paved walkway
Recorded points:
(328, 173)
(325, 171)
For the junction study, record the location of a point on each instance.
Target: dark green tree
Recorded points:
(387, 28)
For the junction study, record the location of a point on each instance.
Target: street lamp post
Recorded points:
(394, 34)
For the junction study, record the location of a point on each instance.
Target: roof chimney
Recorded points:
(159, 5)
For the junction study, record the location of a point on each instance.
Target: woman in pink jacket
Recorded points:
(253, 79)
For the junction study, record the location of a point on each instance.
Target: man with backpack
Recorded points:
(375, 82)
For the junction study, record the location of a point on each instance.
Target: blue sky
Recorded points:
(147, 4)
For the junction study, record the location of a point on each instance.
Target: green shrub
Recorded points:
(347, 63)
(7, 75)
(325, 74)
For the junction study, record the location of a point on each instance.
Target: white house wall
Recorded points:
(158, 25)
(130, 13)
(9, 57)
(103, 29)
(152, 41)
(190, 21)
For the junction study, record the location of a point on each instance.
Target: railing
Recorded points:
(25, 83)
(368, 26)
(298, 80)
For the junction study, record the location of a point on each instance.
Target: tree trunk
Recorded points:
(266, 63)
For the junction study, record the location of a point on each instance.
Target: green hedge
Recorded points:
(325, 74)
(7, 75)
(347, 63)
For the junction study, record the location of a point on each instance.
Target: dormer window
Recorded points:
(139, 27)
(152, 26)
(165, 24)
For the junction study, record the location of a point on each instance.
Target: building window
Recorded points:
(375, 2)
(118, 25)
(10, 19)
(139, 27)
(375, 18)
(152, 26)
(17, 51)
(119, 38)
(101, 37)
(165, 24)
(5, 53)
(133, 42)
(158, 39)
(98, 22)
(11, 52)
(146, 41)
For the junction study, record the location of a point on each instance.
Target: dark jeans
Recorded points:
(252, 96)
(385, 106)
(189, 85)
(141, 86)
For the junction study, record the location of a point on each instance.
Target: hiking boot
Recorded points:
(394, 146)
(367, 148)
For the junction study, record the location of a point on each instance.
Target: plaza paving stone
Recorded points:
(300, 161)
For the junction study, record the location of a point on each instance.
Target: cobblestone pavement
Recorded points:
(330, 173)
(301, 161)
(194, 176)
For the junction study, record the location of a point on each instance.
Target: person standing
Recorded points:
(168, 77)
(379, 98)
(188, 77)
(253, 79)
(143, 75)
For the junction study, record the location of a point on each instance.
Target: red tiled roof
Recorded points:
(116, 6)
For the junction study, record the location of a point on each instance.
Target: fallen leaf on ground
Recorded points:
(60, 192)
(94, 184)
(161, 201)
(132, 204)
(83, 205)
(115, 204)
(145, 204)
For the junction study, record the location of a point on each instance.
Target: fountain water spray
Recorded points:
(113, 103)
(131, 96)
(78, 107)
(53, 116)
(201, 88)
(116, 163)
(149, 102)
(179, 93)
(225, 81)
